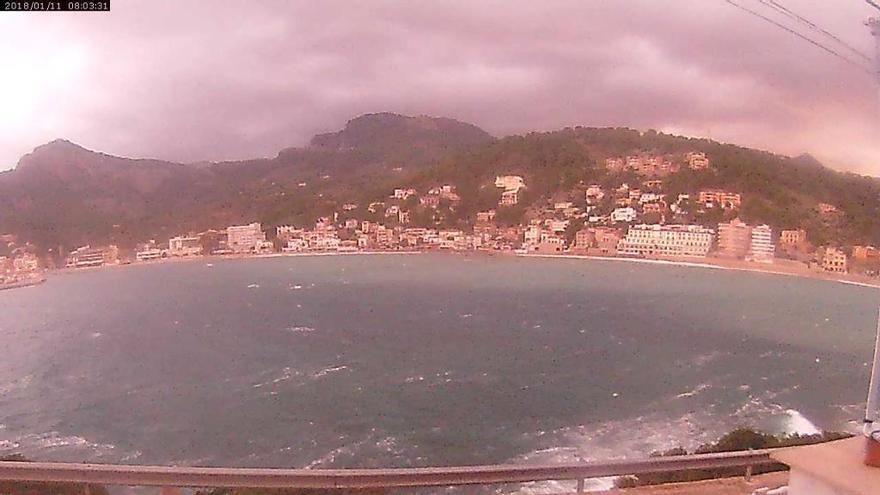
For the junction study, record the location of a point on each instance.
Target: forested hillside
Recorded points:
(62, 195)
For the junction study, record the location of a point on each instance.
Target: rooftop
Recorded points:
(838, 464)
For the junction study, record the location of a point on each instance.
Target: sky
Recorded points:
(192, 81)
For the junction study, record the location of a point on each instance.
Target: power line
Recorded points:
(794, 15)
(801, 36)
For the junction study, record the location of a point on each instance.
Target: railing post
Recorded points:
(580, 486)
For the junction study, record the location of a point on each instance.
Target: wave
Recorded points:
(699, 388)
(797, 423)
(286, 374)
(300, 330)
(334, 454)
(63, 445)
(327, 371)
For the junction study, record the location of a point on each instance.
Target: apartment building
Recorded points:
(148, 251)
(716, 198)
(761, 248)
(508, 182)
(734, 239)
(584, 239)
(666, 240)
(184, 246)
(87, 256)
(624, 215)
(697, 160)
(509, 198)
(834, 260)
(245, 238)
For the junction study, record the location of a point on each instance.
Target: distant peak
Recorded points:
(383, 128)
(60, 144)
(63, 142)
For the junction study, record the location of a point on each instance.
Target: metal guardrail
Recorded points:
(169, 476)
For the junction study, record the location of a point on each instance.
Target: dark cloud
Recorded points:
(211, 80)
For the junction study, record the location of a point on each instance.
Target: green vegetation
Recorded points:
(736, 440)
(62, 196)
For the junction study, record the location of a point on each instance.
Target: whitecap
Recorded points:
(286, 374)
(699, 388)
(253, 286)
(332, 369)
(797, 423)
(300, 329)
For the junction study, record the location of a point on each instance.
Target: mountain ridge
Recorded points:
(62, 194)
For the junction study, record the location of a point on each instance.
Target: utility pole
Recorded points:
(874, 24)
(872, 411)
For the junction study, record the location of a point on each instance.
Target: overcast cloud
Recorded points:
(211, 80)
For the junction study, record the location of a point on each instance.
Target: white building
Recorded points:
(509, 182)
(184, 246)
(761, 249)
(148, 253)
(627, 214)
(651, 198)
(245, 238)
(404, 193)
(666, 240)
(295, 246)
(532, 235)
(557, 226)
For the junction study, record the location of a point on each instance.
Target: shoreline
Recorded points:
(795, 268)
(20, 284)
(781, 267)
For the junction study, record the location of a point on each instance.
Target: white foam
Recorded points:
(332, 369)
(797, 423)
(286, 374)
(55, 441)
(300, 329)
(699, 388)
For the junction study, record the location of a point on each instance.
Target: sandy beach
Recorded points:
(779, 267)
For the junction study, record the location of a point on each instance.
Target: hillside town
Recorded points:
(630, 220)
